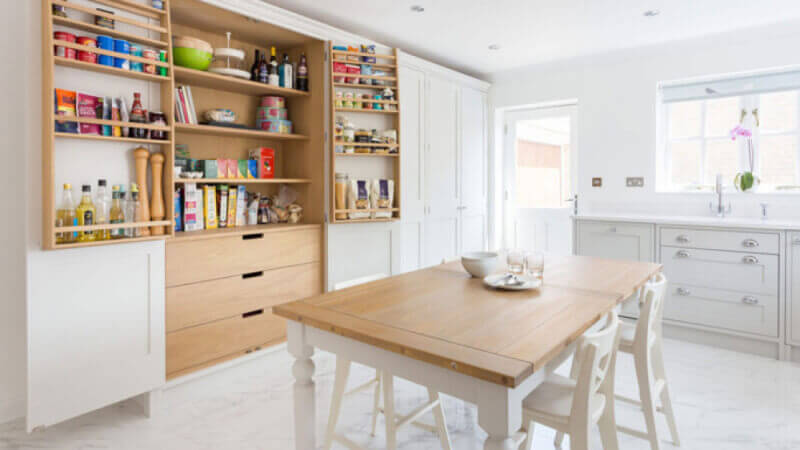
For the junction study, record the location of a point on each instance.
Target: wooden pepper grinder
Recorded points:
(140, 155)
(157, 200)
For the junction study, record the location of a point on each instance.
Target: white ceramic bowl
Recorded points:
(480, 264)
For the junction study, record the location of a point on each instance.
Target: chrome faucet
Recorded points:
(720, 210)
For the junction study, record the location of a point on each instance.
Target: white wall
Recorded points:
(616, 95)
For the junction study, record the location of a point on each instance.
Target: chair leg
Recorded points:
(438, 417)
(339, 385)
(559, 440)
(666, 401)
(529, 436)
(376, 401)
(579, 438)
(608, 427)
(388, 411)
(645, 380)
(573, 374)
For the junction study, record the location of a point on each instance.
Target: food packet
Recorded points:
(381, 196)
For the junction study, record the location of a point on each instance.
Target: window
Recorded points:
(696, 119)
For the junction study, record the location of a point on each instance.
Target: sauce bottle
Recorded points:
(274, 78)
(116, 213)
(65, 217)
(86, 212)
(302, 73)
(138, 115)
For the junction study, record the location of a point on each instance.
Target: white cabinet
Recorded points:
(631, 241)
(412, 137)
(793, 289)
(474, 170)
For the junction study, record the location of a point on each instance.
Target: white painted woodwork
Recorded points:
(441, 172)
(727, 271)
(474, 170)
(412, 160)
(793, 288)
(95, 331)
(736, 241)
(626, 241)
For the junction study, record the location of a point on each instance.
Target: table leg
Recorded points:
(304, 401)
(500, 416)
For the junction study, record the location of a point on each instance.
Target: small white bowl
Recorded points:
(480, 264)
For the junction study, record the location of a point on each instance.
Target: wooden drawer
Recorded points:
(626, 241)
(196, 345)
(190, 261)
(206, 301)
(737, 241)
(728, 271)
(747, 313)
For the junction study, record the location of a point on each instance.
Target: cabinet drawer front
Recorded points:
(737, 241)
(208, 259)
(627, 241)
(747, 313)
(206, 301)
(728, 271)
(196, 345)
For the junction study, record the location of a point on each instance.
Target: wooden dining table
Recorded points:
(443, 329)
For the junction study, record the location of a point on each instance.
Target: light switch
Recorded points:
(634, 181)
(597, 181)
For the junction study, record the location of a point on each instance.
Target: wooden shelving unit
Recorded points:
(146, 24)
(342, 162)
(230, 84)
(236, 132)
(245, 181)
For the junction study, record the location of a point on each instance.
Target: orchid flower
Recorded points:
(739, 130)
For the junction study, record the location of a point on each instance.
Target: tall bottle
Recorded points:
(286, 72)
(65, 217)
(86, 212)
(302, 73)
(138, 115)
(101, 206)
(263, 69)
(274, 78)
(132, 211)
(254, 69)
(116, 214)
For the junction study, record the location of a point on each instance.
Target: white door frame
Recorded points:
(510, 116)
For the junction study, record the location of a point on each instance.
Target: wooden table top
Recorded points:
(442, 316)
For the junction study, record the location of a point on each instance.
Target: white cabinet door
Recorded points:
(412, 158)
(793, 291)
(441, 172)
(631, 241)
(474, 170)
(95, 328)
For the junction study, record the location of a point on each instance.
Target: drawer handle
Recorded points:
(796, 241)
(682, 254)
(253, 313)
(750, 259)
(247, 237)
(612, 230)
(253, 275)
(683, 239)
(683, 292)
(750, 243)
(749, 300)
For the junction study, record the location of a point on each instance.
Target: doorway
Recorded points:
(540, 148)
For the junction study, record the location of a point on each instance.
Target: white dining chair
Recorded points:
(575, 405)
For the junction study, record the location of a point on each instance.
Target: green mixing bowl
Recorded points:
(191, 58)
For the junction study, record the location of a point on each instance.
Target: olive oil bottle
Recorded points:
(65, 217)
(86, 212)
(116, 213)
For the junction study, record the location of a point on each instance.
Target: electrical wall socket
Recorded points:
(634, 181)
(597, 182)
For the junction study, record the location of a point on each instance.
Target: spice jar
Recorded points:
(158, 118)
(341, 193)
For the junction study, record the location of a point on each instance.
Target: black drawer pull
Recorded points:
(253, 313)
(253, 275)
(247, 237)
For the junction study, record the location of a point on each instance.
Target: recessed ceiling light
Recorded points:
(417, 8)
(651, 13)
(494, 47)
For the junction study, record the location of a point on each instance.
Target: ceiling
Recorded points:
(457, 33)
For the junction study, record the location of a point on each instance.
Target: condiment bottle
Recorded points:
(86, 212)
(138, 116)
(116, 213)
(302, 73)
(65, 217)
(101, 206)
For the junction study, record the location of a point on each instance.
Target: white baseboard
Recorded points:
(12, 408)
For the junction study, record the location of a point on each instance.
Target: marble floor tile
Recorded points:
(724, 401)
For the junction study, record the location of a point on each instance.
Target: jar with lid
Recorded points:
(349, 134)
(341, 195)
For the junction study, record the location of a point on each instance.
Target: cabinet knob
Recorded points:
(684, 239)
(683, 291)
(750, 259)
(749, 300)
(682, 254)
(750, 243)
(612, 230)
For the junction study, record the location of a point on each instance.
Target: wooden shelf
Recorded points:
(92, 28)
(66, 62)
(366, 210)
(231, 84)
(101, 51)
(94, 137)
(112, 241)
(364, 144)
(113, 123)
(135, 7)
(240, 231)
(370, 55)
(113, 226)
(362, 86)
(243, 180)
(365, 110)
(388, 155)
(237, 132)
(115, 17)
(377, 219)
(367, 77)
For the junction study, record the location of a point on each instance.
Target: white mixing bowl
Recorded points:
(480, 264)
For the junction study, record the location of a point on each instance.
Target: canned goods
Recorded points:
(136, 50)
(150, 54)
(65, 52)
(104, 22)
(106, 43)
(90, 57)
(122, 46)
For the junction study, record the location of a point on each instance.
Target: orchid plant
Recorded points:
(745, 181)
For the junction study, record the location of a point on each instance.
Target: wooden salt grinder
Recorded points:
(157, 200)
(140, 155)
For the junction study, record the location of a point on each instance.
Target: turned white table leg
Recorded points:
(304, 400)
(500, 416)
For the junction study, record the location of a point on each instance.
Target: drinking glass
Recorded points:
(534, 262)
(516, 262)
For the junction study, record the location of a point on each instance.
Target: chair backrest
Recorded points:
(597, 353)
(651, 310)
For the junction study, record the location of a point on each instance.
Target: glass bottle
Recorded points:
(274, 78)
(86, 212)
(132, 211)
(138, 115)
(116, 213)
(101, 205)
(254, 69)
(302, 73)
(286, 72)
(65, 217)
(263, 70)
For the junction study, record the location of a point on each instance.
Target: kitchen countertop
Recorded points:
(706, 221)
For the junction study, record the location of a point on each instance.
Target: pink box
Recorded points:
(273, 101)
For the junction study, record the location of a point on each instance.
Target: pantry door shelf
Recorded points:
(100, 51)
(211, 80)
(243, 180)
(92, 28)
(112, 226)
(135, 7)
(368, 220)
(159, 237)
(361, 86)
(115, 17)
(367, 55)
(95, 137)
(237, 132)
(77, 64)
(113, 123)
(390, 155)
(365, 110)
(243, 230)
